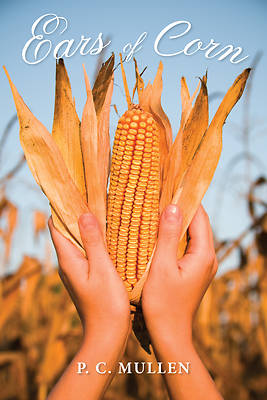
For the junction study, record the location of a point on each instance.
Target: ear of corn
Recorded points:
(133, 202)
(148, 171)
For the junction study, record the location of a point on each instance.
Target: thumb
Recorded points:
(169, 233)
(92, 238)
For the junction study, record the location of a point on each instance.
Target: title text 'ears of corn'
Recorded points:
(148, 170)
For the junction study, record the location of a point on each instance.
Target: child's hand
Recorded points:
(171, 296)
(93, 283)
(174, 288)
(103, 305)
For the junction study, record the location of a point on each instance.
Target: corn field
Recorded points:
(40, 330)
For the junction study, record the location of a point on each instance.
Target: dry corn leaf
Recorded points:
(66, 133)
(89, 140)
(49, 170)
(185, 145)
(104, 140)
(198, 177)
(159, 115)
(187, 101)
(139, 85)
(125, 84)
(102, 83)
(66, 128)
(144, 100)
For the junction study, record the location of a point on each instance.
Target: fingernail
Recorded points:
(86, 219)
(172, 212)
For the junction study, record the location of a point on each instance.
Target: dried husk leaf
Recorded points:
(187, 105)
(160, 116)
(198, 177)
(66, 133)
(125, 84)
(49, 170)
(102, 83)
(185, 145)
(139, 85)
(89, 141)
(66, 128)
(144, 100)
(104, 140)
(187, 101)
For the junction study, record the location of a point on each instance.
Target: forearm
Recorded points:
(197, 384)
(90, 383)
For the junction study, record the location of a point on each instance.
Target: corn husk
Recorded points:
(57, 161)
(206, 156)
(187, 164)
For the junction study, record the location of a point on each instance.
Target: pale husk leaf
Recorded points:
(187, 101)
(186, 142)
(125, 84)
(66, 133)
(66, 128)
(104, 140)
(160, 116)
(139, 84)
(196, 181)
(89, 141)
(49, 170)
(144, 100)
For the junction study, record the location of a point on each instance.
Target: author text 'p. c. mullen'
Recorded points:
(138, 367)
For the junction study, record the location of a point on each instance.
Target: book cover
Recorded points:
(119, 119)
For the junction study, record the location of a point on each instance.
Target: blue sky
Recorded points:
(240, 23)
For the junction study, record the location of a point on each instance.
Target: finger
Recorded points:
(93, 241)
(200, 250)
(200, 234)
(169, 234)
(69, 256)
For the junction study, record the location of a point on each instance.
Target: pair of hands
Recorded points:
(173, 289)
(170, 298)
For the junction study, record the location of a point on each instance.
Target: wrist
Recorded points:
(175, 331)
(173, 345)
(113, 334)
